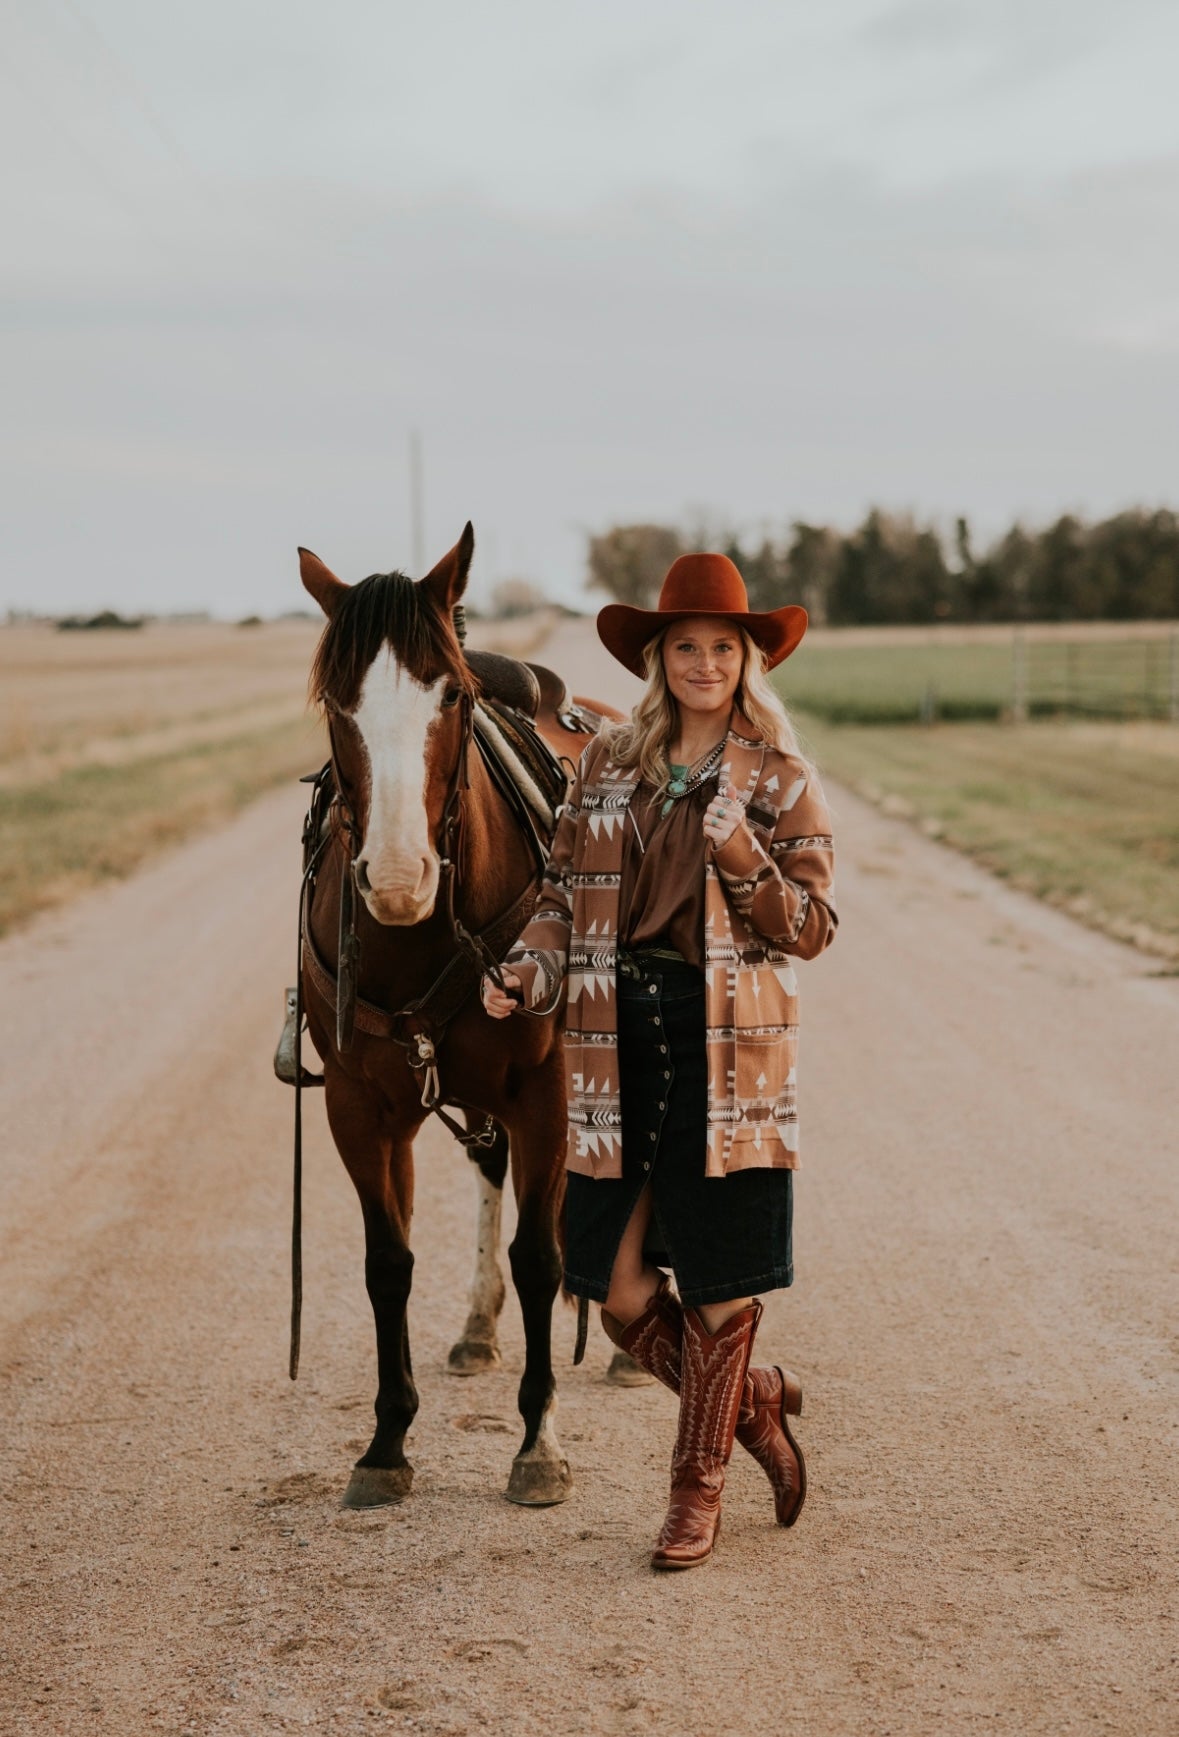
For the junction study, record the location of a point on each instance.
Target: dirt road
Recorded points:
(985, 1318)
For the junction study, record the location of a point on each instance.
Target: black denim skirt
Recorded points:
(722, 1236)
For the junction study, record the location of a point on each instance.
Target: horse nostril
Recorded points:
(360, 869)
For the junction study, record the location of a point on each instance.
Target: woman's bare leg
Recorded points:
(633, 1280)
(714, 1315)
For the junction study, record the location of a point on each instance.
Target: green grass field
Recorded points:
(895, 681)
(1079, 804)
(1084, 815)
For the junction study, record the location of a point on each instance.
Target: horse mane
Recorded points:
(384, 609)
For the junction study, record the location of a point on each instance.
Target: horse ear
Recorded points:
(448, 580)
(322, 583)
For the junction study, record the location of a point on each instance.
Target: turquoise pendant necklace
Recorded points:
(683, 779)
(677, 784)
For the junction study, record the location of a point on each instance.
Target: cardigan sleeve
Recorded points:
(786, 893)
(540, 955)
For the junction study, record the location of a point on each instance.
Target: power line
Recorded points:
(132, 88)
(56, 128)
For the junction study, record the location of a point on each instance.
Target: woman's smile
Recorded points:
(702, 659)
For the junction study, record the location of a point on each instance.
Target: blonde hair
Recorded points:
(643, 739)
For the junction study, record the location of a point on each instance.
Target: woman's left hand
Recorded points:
(723, 815)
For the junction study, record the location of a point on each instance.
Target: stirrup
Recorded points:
(287, 1064)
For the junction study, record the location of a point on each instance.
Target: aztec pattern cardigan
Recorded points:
(768, 895)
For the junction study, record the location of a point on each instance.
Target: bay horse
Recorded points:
(421, 831)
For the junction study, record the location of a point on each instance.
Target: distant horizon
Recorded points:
(585, 600)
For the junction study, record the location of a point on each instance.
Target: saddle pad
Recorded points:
(525, 757)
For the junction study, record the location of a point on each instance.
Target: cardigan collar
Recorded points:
(743, 731)
(744, 758)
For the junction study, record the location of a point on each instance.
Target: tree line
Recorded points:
(891, 569)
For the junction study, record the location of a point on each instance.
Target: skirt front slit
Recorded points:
(722, 1236)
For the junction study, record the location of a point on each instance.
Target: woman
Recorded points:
(693, 860)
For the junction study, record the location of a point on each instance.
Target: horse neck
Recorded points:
(495, 861)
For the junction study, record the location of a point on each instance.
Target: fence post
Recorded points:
(1173, 706)
(1019, 676)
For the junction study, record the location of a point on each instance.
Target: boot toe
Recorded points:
(685, 1550)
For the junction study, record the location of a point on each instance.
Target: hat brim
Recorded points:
(625, 630)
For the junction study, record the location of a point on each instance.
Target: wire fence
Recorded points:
(1023, 675)
(1127, 678)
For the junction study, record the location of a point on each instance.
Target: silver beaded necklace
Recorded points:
(683, 780)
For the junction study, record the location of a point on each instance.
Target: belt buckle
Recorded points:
(629, 967)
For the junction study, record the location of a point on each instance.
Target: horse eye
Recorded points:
(451, 697)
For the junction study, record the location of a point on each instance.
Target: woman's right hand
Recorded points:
(496, 1003)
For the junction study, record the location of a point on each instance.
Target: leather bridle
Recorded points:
(419, 1024)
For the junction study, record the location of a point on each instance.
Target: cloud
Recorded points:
(218, 364)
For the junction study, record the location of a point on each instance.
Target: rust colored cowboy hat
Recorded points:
(699, 585)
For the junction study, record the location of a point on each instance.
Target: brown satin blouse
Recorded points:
(661, 893)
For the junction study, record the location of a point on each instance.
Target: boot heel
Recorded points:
(791, 1393)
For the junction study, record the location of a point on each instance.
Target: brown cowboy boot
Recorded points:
(712, 1379)
(771, 1396)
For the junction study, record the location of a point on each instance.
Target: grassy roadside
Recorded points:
(1085, 816)
(95, 823)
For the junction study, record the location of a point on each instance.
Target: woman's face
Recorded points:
(702, 659)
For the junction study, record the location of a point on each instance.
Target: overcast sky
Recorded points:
(662, 259)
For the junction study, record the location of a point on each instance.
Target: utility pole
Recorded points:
(417, 514)
(1019, 676)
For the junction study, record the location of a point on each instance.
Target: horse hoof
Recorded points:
(625, 1372)
(539, 1483)
(377, 1486)
(473, 1357)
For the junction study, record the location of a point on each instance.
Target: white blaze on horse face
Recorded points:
(397, 869)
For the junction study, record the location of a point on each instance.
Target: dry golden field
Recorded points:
(114, 743)
(109, 697)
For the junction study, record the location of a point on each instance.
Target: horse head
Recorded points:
(390, 674)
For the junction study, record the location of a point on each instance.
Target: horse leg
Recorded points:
(478, 1348)
(540, 1473)
(380, 1163)
(625, 1372)
(383, 1474)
